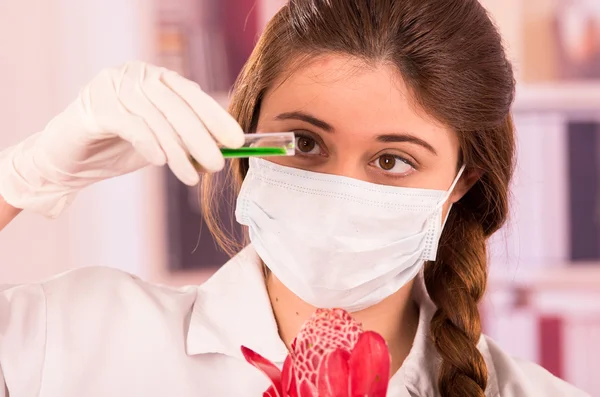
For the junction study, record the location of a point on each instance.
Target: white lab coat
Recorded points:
(98, 332)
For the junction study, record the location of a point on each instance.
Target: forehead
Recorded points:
(337, 84)
(353, 97)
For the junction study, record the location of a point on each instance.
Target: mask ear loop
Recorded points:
(449, 192)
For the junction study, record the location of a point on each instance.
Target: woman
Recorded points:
(401, 109)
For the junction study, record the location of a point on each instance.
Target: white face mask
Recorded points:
(335, 241)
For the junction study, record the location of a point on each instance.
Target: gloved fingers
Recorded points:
(134, 101)
(222, 126)
(137, 132)
(190, 129)
(105, 116)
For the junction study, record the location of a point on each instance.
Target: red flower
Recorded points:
(331, 357)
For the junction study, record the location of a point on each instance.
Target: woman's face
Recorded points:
(360, 121)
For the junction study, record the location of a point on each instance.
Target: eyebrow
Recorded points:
(386, 138)
(392, 138)
(301, 116)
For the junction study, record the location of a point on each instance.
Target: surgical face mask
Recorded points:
(335, 241)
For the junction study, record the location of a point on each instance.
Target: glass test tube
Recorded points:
(264, 145)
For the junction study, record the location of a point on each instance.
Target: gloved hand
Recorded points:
(123, 120)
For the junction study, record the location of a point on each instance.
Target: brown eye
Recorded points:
(393, 164)
(307, 145)
(387, 162)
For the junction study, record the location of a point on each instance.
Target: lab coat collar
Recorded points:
(233, 309)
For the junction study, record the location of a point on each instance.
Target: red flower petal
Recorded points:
(306, 389)
(267, 367)
(293, 386)
(334, 374)
(288, 381)
(271, 392)
(370, 366)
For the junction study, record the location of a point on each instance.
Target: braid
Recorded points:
(456, 282)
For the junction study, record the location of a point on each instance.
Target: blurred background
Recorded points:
(543, 302)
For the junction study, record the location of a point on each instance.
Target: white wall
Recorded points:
(50, 50)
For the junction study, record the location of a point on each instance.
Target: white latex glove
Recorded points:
(123, 120)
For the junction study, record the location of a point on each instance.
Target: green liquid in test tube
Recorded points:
(254, 152)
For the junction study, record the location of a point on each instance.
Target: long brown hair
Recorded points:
(451, 57)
